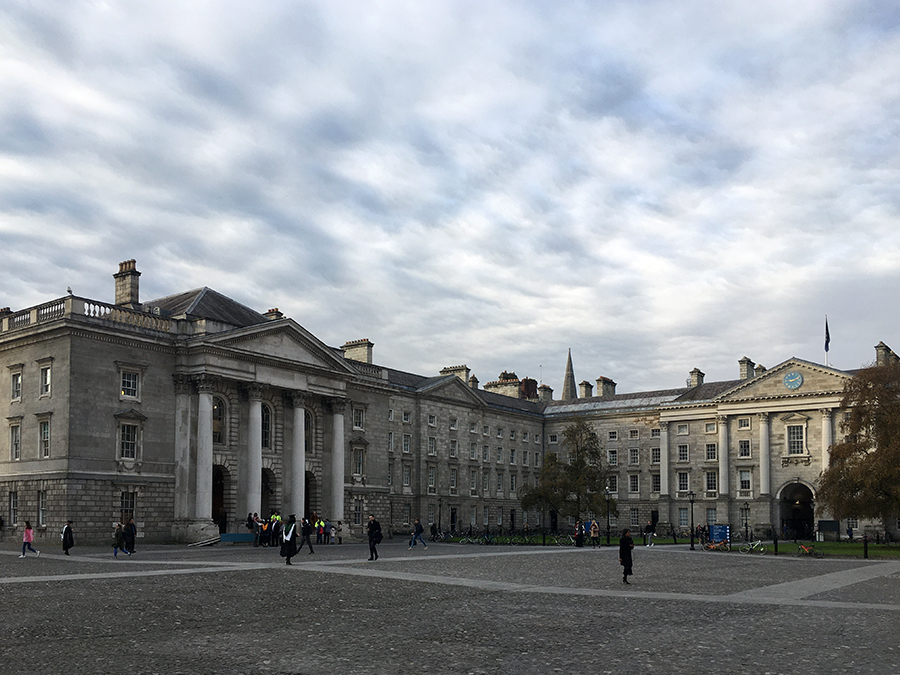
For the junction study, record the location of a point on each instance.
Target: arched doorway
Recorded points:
(268, 498)
(797, 511)
(218, 498)
(309, 494)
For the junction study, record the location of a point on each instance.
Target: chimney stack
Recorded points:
(545, 393)
(746, 368)
(273, 314)
(586, 389)
(473, 382)
(358, 350)
(697, 377)
(606, 387)
(462, 372)
(127, 285)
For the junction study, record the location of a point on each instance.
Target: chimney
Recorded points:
(473, 382)
(529, 389)
(462, 372)
(127, 282)
(358, 350)
(746, 368)
(273, 315)
(545, 393)
(606, 387)
(586, 389)
(697, 377)
(884, 355)
(759, 370)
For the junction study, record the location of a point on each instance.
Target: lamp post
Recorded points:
(746, 521)
(440, 507)
(691, 496)
(607, 514)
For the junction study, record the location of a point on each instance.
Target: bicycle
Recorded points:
(723, 545)
(754, 547)
(803, 549)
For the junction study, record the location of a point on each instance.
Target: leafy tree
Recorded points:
(863, 477)
(573, 484)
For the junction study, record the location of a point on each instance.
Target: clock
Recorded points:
(793, 380)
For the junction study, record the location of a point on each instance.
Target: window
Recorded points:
(633, 483)
(655, 482)
(127, 505)
(390, 474)
(710, 427)
(683, 453)
(485, 453)
(407, 475)
(654, 456)
(390, 414)
(500, 515)
(682, 429)
(13, 508)
(454, 424)
(453, 475)
(485, 520)
(612, 457)
(612, 482)
(499, 432)
(131, 384)
(473, 428)
(512, 482)
(473, 480)
(454, 448)
(432, 420)
(128, 441)
(744, 479)
(524, 436)
(683, 482)
(795, 441)
(654, 433)
(15, 386)
(407, 417)
(357, 511)
(612, 435)
(537, 439)
(432, 445)
(266, 426)
(485, 430)
(711, 516)
(358, 461)
(512, 456)
(486, 482)
(431, 518)
(218, 421)
(634, 456)
(15, 442)
(44, 382)
(743, 448)
(499, 482)
(407, 439)
(473, 516)
(634, 434)
(743, 423)
(712, 479)
(683, 517)
(499, 455)
(853, 523)
(44, 437)
(390, 442)
(432, 473)
(635, 517)
(553, 439)
(473, 451)
(407, 513)
(524, 458)
(359, 419)
(42, 508)
(710, 452)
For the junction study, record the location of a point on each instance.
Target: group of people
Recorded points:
(271, 531)
(123, 539)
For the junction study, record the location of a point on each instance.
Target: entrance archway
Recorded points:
(797, 511)
(267, 500)
(310, 495)
(218, 498)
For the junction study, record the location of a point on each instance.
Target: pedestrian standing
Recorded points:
(625, 545)
(68, 537)
(305, 534)
(375, 537)
(340, 532)
(595, 533)
(27, 538)
(326, 532)
(418, 530)
(130, 535)
(289, 540)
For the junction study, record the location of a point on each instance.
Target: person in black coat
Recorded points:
(289, 540)
(374, 531)
(305, 534)
(130, 535)
(68, 537)
(626, 543)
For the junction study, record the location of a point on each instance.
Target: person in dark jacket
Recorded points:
(626, 543)
(418, 530)
(289, 540)
(374, 531)
(305, 534)
(68, 537)
(130, 535)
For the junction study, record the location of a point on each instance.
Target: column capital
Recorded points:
(763, 417)
(722, 419)
(183, 384)
(664, 426)
(206, 384)
(256, 391)
(337, 406)
(826, 413)
(301, 399)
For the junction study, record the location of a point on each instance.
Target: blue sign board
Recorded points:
(720, 532)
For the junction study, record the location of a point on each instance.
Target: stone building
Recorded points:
(190, 411)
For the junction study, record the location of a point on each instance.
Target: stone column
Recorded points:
(254, 450)
(827, 440)
(297, 498)
(663, 459)
(203, 502)
(724, 477)
(336, 504)
(183, 499)
(765, 461)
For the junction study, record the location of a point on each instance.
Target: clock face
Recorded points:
(793, 380)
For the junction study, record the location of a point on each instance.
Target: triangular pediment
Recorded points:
(792, 378)
(283, 340)
(452, 388)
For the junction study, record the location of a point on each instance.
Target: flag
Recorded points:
(827, 335)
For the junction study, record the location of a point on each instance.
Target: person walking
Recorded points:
(305, 534)
(375, 537)
(418, 531)
(649, 533)
(595, 533)
(68, 537)
(119, 541)
(130, 535)
(289, 540)
(27, 538)
(626, 543)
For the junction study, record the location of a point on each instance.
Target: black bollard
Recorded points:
(866, 546)
(775, 542)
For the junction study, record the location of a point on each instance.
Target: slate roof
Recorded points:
(205, 303)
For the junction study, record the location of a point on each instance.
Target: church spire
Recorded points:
(569, 391)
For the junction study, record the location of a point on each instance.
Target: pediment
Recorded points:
(452, 388)
(283, 340)
(792, 378)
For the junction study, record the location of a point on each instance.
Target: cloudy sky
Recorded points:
(657, 186)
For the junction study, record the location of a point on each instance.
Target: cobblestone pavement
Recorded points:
(234, 609)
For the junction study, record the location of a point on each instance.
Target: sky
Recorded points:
(656, 186)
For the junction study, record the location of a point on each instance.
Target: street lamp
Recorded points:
(691, 496)
(608, 493)
(746, 521)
